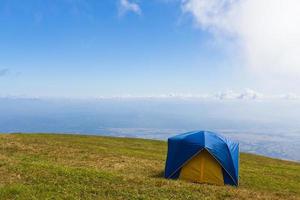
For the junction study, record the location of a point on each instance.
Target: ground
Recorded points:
(49, 166)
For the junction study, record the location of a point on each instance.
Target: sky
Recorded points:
(92, 48)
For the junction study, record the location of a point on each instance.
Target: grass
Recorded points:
(48, 166)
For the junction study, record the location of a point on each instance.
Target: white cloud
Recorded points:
(227, 95)
(290, 96)
(247, 94)
(250, 94)
(127, 6)
(266, 32)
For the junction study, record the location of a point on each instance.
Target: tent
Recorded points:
(203, 157)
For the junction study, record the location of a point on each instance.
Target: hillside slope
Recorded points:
(45, 166)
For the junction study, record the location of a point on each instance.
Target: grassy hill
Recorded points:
(45, 166)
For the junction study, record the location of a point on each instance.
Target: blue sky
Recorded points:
(229, 65)
(78, 48)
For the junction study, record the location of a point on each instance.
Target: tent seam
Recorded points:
(185, 163)
(221, 165)
(223, 139)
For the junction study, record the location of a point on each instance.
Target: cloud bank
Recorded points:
(266, 32)
(126, 6)
(229, 95)
(248, 94)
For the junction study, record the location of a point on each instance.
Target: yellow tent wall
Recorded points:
(203, 168)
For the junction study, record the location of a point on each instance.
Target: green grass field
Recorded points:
(48, 166)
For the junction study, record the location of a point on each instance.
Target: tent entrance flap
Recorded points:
(203, 168)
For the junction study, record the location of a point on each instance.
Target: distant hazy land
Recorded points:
(266, 128)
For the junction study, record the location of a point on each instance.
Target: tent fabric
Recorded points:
(203, 168)
(183, 147)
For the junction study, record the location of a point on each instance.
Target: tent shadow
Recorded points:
(160, 174)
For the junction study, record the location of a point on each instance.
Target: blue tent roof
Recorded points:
(183, 147)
